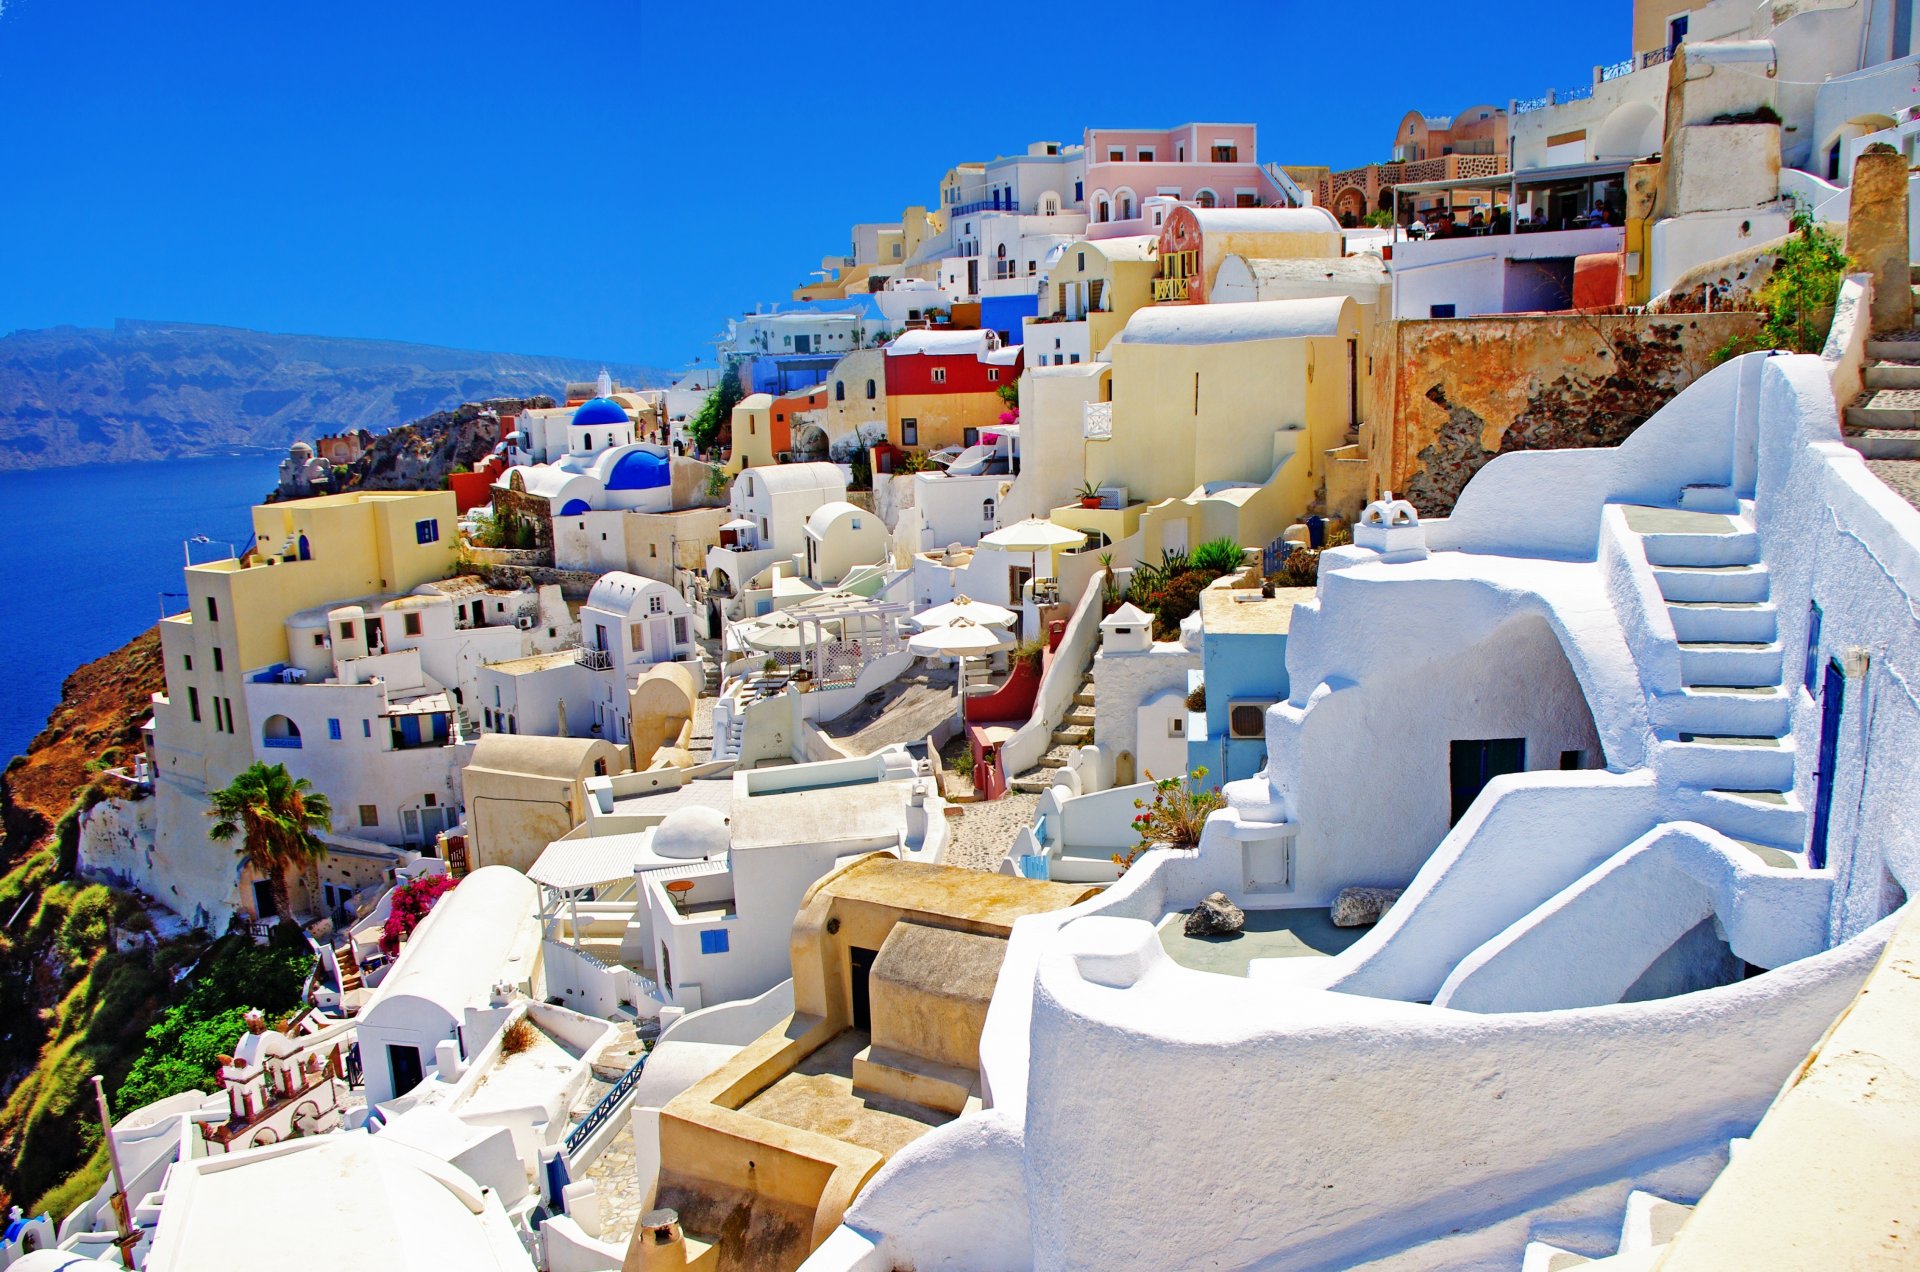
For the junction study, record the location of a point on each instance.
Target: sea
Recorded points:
(90, 553)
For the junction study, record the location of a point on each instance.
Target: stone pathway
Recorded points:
(614, 1176)
(982, 832)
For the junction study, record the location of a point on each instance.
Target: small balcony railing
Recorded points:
(1170, 288)
(595, 659)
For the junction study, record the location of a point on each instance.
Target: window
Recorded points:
(1146, 154)
(1116, 154)
(871, 390)
(713, 941)
(1225, 152)
(319, 640)
(636, 637)
(993, 373)
(412, 624)
(213, 610)
(856, 522)
(193, 703)
(333, 730)
(839, 390)
(427, 531)
(1246, 198)
(369, 814)
(1475, 763)
(187, 661)
(1080, 260)
(219, 659)
(680, 630)
(1073, 357)
(1077, 195)
(939, 375)
(1439, 311)
(1570, 760)
(986, 510)
(366, 728)
(910, 432)
(655, 603)
(1812, 676)
(1176, 726)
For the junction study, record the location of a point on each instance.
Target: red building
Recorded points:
(943, 387)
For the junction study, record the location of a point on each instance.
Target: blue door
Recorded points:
(1832, 699)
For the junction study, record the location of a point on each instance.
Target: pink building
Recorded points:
(1207, 165)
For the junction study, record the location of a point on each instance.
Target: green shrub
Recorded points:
(84, 932)
(1222, 556)
(1799, 296)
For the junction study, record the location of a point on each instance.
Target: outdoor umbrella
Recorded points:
(784, 631)
(1033, 536)
(961, 639)
(966, 607)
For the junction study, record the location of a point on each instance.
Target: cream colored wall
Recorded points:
(512, 817)
(843, 547)
(660, 711)
(1217, 246)
(943, 418)
(752, 433)
(1052, 439)
(854, 370)
(656, 542)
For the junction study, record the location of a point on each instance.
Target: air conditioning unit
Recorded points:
(1247, 717)
(1113, 496)
(526, 622)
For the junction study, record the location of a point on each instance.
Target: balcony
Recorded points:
(1170, 289)
(595, 659)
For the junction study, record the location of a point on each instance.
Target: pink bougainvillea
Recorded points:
(1010, 417)
(411, 901)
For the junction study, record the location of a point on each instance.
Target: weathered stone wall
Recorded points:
(531, 511)
(1453, 393)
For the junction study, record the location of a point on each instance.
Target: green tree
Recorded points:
(716, 413)
(277, 819)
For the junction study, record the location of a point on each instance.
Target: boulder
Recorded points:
(1215, 916)
(1359, 907)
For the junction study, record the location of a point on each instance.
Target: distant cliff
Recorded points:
(162, 390)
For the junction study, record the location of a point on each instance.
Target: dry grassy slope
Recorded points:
(66, 1011)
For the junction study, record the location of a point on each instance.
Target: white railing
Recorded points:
(1097, 422)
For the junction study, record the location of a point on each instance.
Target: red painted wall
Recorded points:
(913, 373)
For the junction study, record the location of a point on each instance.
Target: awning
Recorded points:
(582, 863)
(1528, 179)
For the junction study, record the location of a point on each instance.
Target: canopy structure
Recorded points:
(965, 607)
(739, 523)
(1033, 535)
(962, 638)
(785, 631)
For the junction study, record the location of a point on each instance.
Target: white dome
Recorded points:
(688, 834)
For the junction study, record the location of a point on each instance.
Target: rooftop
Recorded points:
(991, 900)
(1234, 611)
(1234, 322)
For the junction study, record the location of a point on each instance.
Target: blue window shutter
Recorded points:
(333, 730)
(713, 941)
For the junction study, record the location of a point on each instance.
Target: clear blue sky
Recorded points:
(611, 180)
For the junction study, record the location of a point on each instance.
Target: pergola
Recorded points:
(1578, 184)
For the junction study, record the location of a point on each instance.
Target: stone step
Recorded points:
(1651, 1221)
(1891, 375)
(1739, 664)
(1073, 735)
(1724, 761)
(1723, 620)
(1713, 582)
(1078, 714)
(1898, 350)
(1886, 408)
(1084, 698)
(1541, 1257)
(1760, 711)
(1773, 819)
(1882, 443)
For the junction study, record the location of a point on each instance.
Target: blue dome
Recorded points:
(640, 470)
(575, 507)
(599, 411)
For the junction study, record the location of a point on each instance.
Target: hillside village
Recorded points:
(1380, 697)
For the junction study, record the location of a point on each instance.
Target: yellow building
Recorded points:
(306, 553)
(1221, 419)
(1092, 289)
(894, 964)
(752, 433)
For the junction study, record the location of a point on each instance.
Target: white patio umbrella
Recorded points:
(1033, 536)
(783, 631)
(982, 612)
(961, 639)
(740, 523)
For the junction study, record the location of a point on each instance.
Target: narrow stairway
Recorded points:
(1723, 739)
(1075, 731)
(1884, 423)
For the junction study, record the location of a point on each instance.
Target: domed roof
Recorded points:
(688, 834)
(599, 411)
(639, 469)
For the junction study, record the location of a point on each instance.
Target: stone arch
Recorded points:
(1206, 198)
(1631, 130)
(1350, 201)
(280, 731)
(1125, 205)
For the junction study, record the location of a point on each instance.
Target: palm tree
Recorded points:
(278, 818)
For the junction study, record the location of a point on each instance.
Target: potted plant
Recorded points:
(1089, 495)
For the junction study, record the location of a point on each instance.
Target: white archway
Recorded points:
(1631, 131)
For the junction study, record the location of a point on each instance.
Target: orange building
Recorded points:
(943, 387)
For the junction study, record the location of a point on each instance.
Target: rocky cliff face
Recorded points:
(157, 390)
(422, 453)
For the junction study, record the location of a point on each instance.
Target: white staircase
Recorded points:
(1647, 1227)
(1723, 739)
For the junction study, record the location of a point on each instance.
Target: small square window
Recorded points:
(427, 531)
(713, 941)
(369, 814)
(1440, 311)
(939, 375)
(412, 624)
(319, 640)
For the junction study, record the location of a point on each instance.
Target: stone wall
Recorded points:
(1450, 394)
(516, 505)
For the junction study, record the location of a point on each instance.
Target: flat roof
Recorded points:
(1529, 177)
(856, 813)
(1237, 611)
(995, 900)
(533, 662)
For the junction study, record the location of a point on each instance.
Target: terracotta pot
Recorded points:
(1090, 502)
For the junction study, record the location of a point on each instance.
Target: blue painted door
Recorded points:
(1832, 700)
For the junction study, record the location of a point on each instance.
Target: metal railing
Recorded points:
(595, 659)
(1618, 69)
(597, 1115)
(1170, 288)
